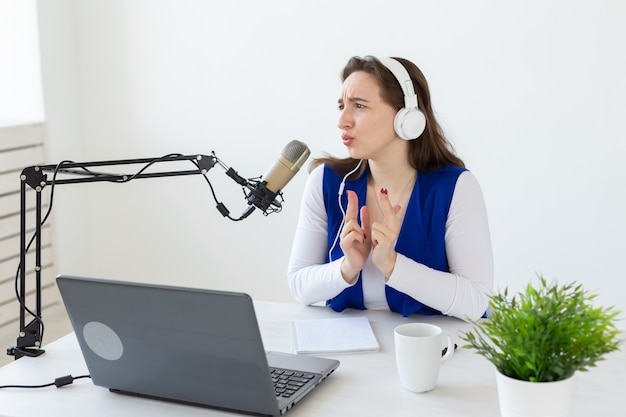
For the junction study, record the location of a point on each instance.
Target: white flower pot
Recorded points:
(533, 399)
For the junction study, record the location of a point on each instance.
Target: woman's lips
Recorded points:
(347, 139)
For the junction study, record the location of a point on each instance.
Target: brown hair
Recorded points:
(428, 152)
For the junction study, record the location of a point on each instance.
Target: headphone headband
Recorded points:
(409, 122)
(404, 79)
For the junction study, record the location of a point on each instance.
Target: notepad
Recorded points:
(337, 335)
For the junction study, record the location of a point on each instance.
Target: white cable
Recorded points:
(343, 212)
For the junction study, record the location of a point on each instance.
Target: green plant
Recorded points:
(544, 333)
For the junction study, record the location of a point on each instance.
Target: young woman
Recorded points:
(400, 224)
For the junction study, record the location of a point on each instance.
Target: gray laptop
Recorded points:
(185, 345)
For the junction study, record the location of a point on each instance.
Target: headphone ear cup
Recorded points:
(409, 123)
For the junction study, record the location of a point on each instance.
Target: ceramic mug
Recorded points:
(419, 354)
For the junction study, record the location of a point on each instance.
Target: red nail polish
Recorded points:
(383, 191)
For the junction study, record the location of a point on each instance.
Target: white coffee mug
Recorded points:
(419, 355)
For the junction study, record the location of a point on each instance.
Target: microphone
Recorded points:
(263, 194)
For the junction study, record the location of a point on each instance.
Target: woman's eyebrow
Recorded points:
(353, 99)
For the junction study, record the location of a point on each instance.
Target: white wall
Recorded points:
(532, 94)
(20, 76)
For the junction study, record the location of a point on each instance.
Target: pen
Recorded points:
(443, 352)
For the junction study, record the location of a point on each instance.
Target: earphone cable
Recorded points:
(343, 212)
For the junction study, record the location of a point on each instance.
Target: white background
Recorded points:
(20, 77)
(532, 94)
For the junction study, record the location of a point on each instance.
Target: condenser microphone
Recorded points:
(263, 194)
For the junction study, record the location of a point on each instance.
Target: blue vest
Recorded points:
(421, 238)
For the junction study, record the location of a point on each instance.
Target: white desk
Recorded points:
(365, 384)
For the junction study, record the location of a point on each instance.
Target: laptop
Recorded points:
(193, 346)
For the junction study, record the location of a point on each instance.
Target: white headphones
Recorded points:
(409, 122)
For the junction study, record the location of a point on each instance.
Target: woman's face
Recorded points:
(365, 120)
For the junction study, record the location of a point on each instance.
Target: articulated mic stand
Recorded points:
(30, 336)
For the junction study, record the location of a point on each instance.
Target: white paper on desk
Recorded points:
(345, 334)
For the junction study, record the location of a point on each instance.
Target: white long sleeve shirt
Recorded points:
(462, 292)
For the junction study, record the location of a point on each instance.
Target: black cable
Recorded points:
(59, 382)
(219, 205)
(149, 164)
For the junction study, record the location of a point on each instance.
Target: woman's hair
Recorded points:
(428, 152)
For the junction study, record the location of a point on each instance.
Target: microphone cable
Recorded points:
(58, 382)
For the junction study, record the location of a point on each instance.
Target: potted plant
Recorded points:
(538, 339)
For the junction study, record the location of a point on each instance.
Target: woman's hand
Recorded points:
(354, 240)
(385, 234)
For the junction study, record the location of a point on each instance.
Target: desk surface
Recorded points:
(365, 384)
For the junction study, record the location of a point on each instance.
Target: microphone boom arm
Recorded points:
(30, 336)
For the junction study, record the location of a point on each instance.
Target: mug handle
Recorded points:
(449, 350)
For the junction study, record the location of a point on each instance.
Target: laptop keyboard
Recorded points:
(287, 382)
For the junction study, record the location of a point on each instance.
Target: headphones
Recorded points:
(409, 122)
